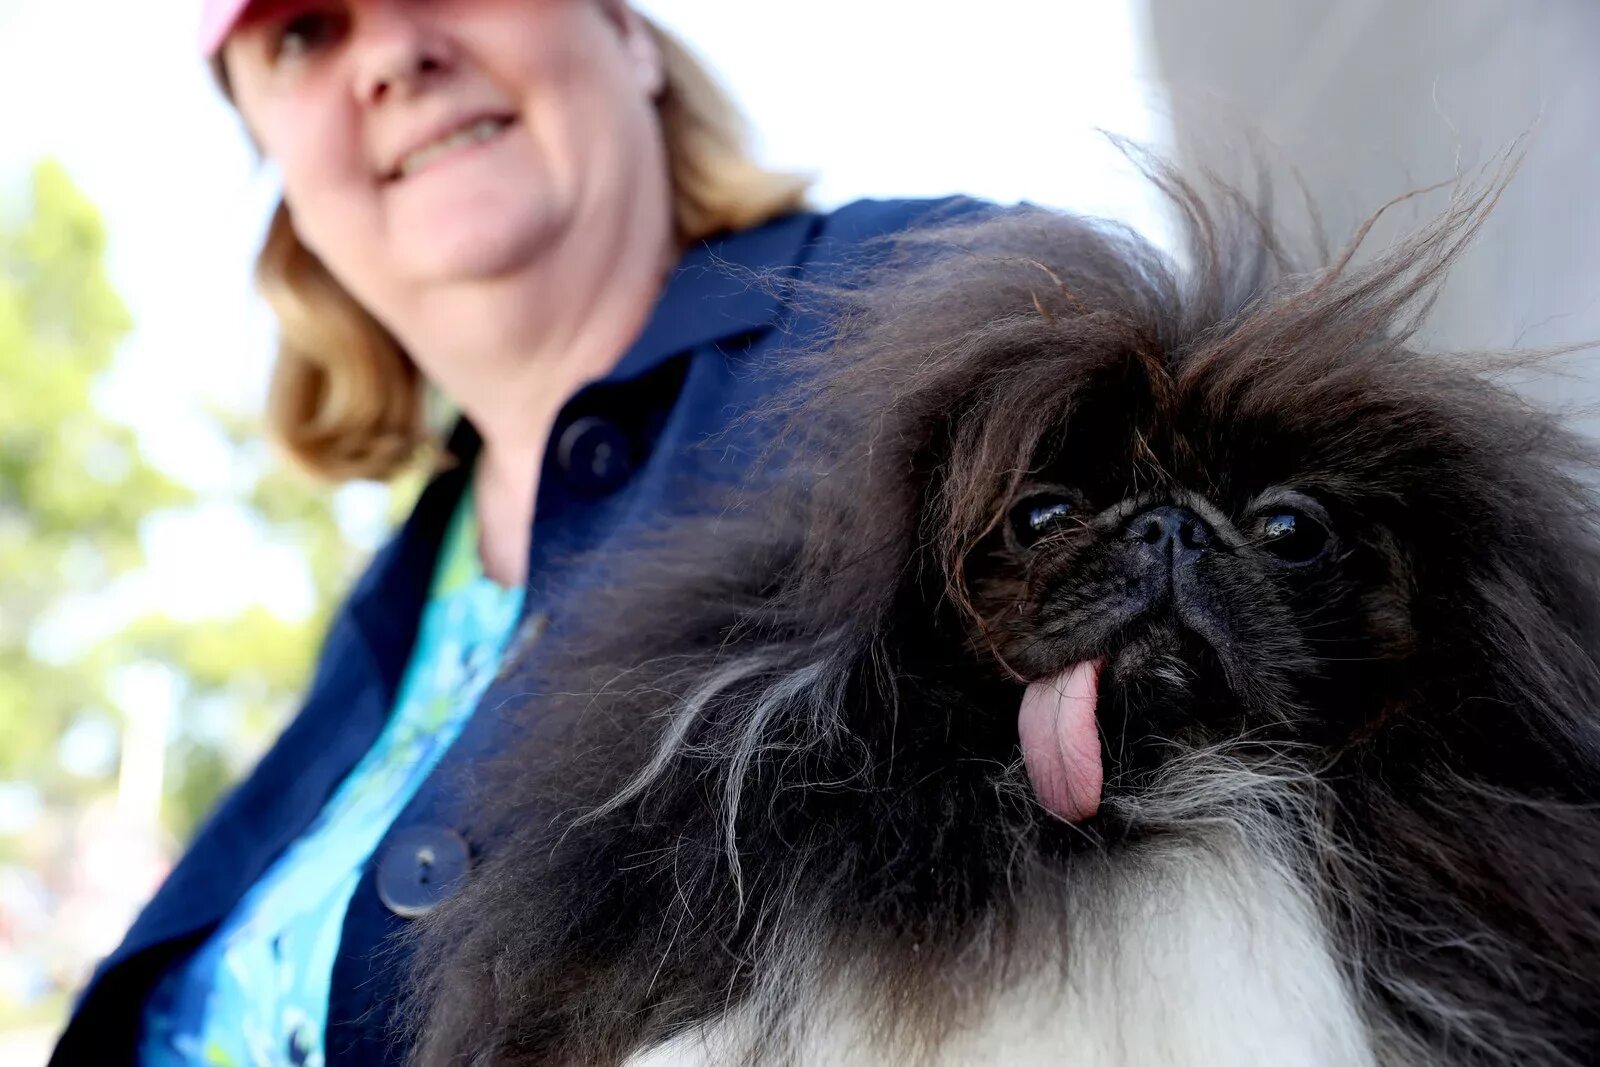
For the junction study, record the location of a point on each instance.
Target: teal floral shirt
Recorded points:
(256, 992)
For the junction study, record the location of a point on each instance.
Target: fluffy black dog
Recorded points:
(1301, 623)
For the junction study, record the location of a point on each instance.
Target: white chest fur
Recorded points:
(1186, 959)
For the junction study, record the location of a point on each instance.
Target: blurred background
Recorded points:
(164, 580)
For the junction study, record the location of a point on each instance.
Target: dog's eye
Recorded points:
(1292, 536)
(1037, 516)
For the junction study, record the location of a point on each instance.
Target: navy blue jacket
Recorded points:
(616, 452)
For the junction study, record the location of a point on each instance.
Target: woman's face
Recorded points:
(426, 142)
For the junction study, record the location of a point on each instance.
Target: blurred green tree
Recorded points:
(73, 485)
(74, 490)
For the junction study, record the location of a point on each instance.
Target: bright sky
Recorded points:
(875, 97)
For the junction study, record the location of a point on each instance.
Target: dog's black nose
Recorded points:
(1170, 533)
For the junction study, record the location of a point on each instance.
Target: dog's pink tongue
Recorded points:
(1061, 741)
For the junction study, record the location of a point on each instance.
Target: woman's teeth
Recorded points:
(479, 131)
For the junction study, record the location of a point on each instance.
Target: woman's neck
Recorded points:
(504, 493)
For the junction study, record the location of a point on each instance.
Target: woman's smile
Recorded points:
(455, 140)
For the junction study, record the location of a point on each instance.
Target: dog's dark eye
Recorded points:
(1038, 516)
(1292, 536)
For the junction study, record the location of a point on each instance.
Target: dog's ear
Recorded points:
(1506, 597)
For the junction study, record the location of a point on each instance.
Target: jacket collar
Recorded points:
(721, 288)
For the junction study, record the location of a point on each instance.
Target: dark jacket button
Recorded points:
(595, 453)
(420, 867)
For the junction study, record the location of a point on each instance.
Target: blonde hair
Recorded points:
(347, 402)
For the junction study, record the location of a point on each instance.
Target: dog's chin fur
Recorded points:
(771, 808)
(1202, 944)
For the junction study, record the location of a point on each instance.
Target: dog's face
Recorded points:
(1239, 551)
(1231, 569)
(1177, 514)
(1290, 529)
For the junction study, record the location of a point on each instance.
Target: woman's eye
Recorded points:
(1038, 516)
(305, 34)
(1292, 536)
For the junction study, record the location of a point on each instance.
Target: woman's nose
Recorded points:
(398, 47)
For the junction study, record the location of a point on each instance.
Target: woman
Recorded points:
(540, 210)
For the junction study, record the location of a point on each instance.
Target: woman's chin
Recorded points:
(474, 245)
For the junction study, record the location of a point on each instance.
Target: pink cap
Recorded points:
(217, 19)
